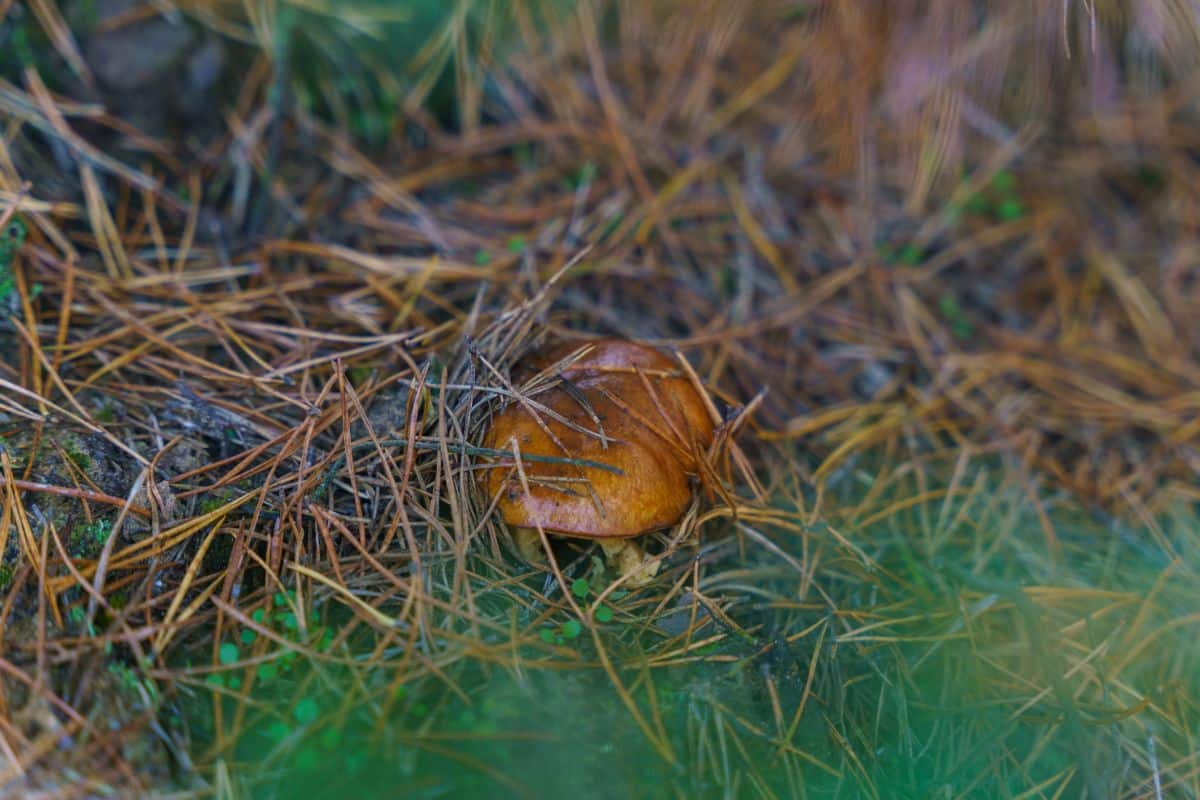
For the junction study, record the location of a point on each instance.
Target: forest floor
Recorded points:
(265, 273)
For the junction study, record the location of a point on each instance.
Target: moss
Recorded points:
(17, 449)
(212, 502)
(59, 453)
(358, 375)
(106, 413)
(87, 540)
(76, 454)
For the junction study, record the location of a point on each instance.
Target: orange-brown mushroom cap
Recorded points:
(653, 428)
(602, 353)
(617, 366)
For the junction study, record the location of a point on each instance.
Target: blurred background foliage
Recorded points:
(355, 64)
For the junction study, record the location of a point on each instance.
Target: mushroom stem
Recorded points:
(630, 561)
(625, 556)
(529, 545)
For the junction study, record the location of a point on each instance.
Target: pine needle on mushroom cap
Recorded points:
(628, 407)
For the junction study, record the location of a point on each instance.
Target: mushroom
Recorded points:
(613, 443)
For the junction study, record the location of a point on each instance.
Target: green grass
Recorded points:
(360, 67)
(950, 649)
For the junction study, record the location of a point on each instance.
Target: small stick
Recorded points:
(70, 491)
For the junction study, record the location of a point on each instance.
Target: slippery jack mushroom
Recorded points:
(624, 430)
